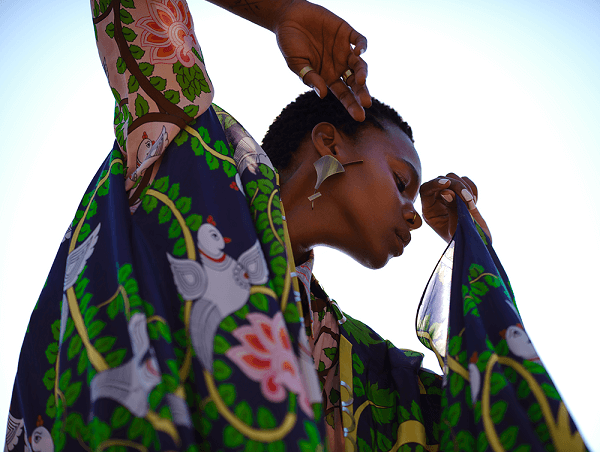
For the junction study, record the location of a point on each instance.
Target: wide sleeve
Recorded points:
(497, 394)
(156, 72)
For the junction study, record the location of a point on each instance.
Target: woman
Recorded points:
(178, 326)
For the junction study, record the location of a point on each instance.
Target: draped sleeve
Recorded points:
(497, 394)
(156, 73)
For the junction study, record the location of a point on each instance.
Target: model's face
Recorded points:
(377, 196)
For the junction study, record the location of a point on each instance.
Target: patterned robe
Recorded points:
(172, 318)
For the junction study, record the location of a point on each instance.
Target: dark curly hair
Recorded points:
(298, 119)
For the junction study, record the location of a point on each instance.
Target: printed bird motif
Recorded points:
(474, 377)
(143, 149)
(519, 343)
(218, 287)
(14, 428)
(148, 151)
(131, 383)
(41, 440)
(76, 261)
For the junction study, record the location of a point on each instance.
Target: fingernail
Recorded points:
(448, 197)
(362, 50)
(466, 195)
(442, 181)
(317, 91)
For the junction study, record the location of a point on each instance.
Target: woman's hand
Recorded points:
(438, 198)
(309, 35)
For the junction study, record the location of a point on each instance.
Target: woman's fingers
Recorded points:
(348, 99)
(316, 82)
(448, 187)
(359, 42)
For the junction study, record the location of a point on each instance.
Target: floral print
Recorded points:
(266, 356)
(169, 32)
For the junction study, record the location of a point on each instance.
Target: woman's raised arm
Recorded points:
(320, 47)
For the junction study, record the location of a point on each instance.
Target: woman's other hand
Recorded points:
(438, 198)
(310, 35)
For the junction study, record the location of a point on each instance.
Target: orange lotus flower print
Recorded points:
(169, 32)
(266, 356)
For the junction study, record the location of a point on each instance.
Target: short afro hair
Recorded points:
(299, 118)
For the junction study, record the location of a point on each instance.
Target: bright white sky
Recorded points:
(505, 92)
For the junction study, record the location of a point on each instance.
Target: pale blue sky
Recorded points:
(505, 92)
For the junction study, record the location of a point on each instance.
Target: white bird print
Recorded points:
(131, 383)
(218, 287)
(41, 440)
(519, 343)
(474, 377)
(14, 428)
(143, 149)
(78, 258)
(148, 151)
(76, 261)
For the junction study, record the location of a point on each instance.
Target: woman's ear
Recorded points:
(326, 139)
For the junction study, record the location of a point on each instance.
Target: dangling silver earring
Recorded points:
(327, 166)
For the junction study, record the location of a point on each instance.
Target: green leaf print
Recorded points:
(110, 30)
(83, 362)
(211, 160)
(265, 418)
(141, 106)
(173, 96)
(115, 358)
(357, 364)
(498, 382)
(49, 377)
(509, 436)
(136, 52)
(174, 229)
(128, 4)
(121, 66)
(221, 370)
(260, 301)
(74, 347)
(158, 82)
(359, 389)
(184, 204)
(453, 414)
(229, 169)
(228, 324)
(191, 110)
(534, 367)
(232, 437)
(498, 410)
(164, 215)
(52, 352)
(132, 85)
(125, 17)
(147, 69)
(534, 412)
(194, 221)
(104, 344)
(228, 393)
(72, 393)
(523, 390)
(120, 417)
(221, 345)
(359, 331)
(149, 203)
(550, 391)
(244, 412)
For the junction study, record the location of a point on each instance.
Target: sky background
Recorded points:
(505, 92)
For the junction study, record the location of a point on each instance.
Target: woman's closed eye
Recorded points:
(400, 183)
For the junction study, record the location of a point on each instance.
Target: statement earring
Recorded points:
(327, 166)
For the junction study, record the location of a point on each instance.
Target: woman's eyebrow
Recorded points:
(412, 169)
